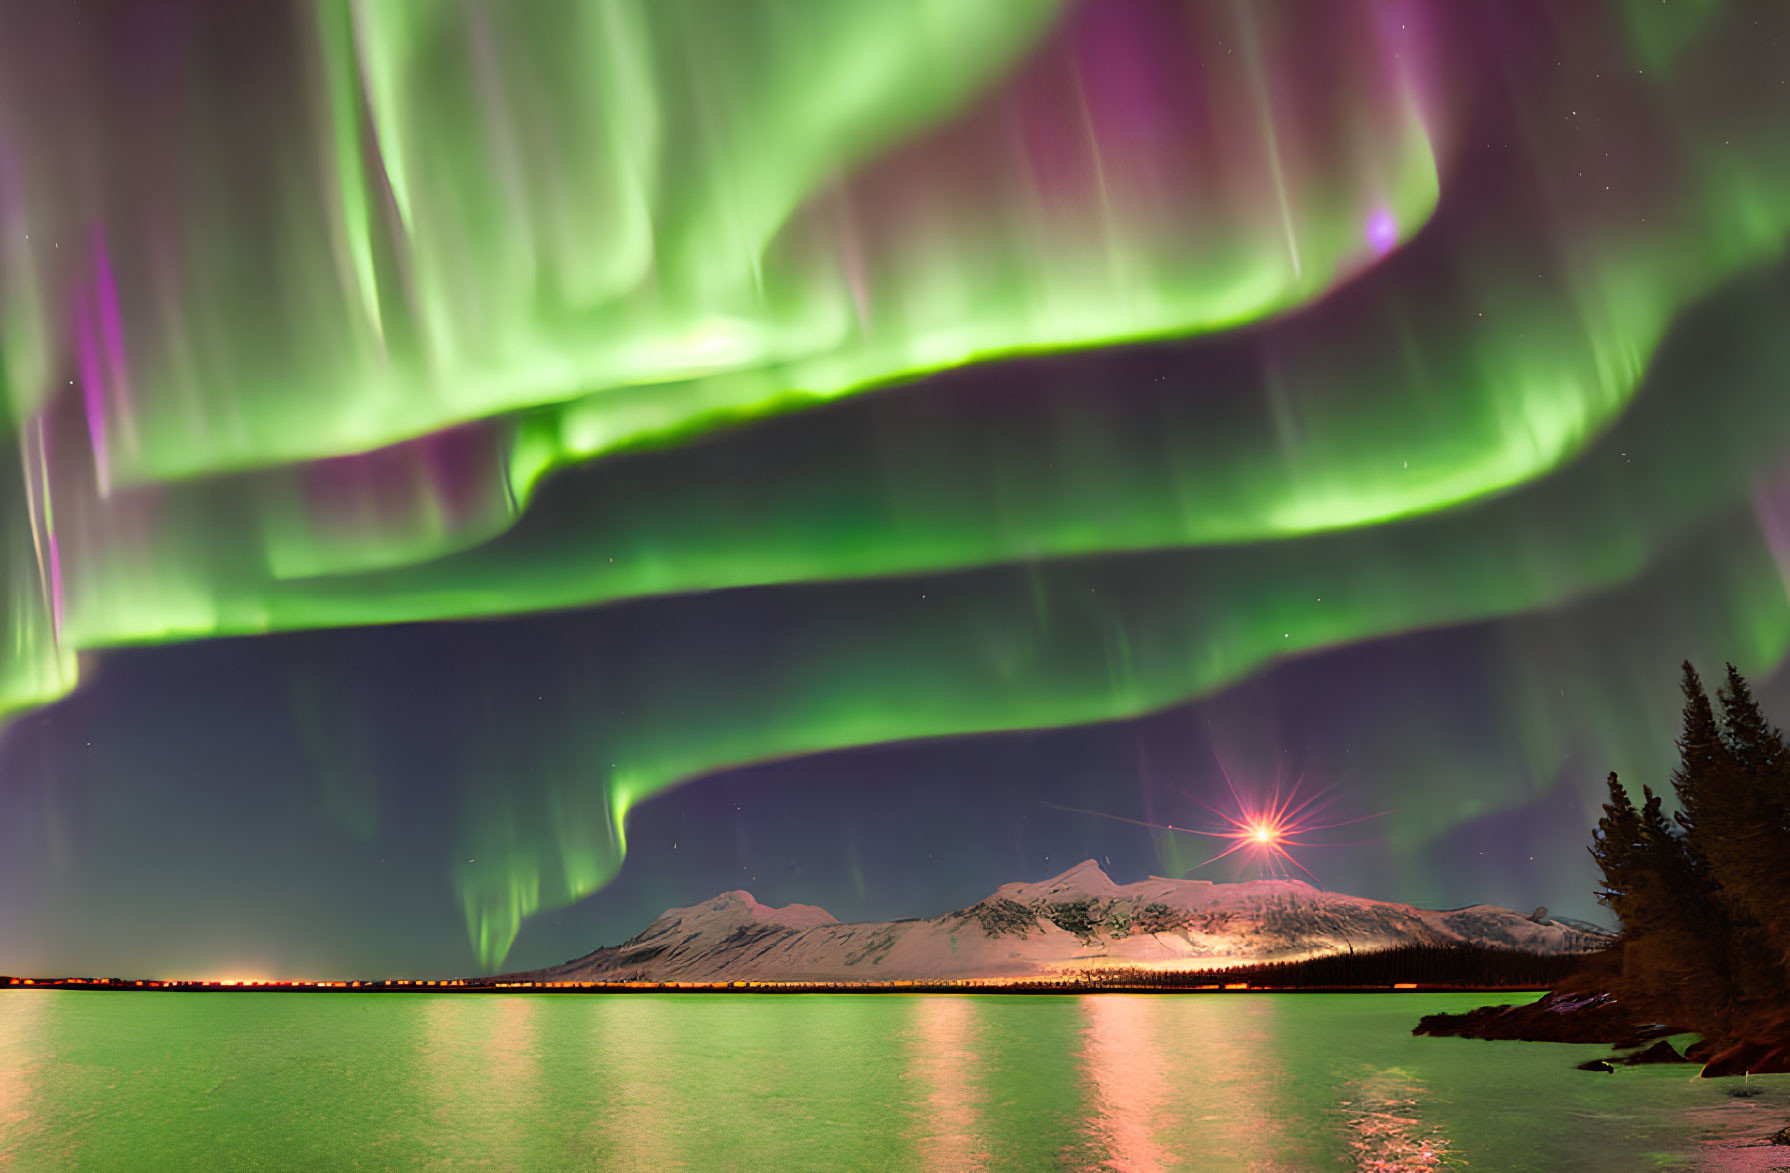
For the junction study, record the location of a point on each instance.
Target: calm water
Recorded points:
(1242, 1082)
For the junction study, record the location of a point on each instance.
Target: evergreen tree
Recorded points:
(1704, 761)
(1705, 783)
(1614, 846)
(1702, 896)
(1662, 860)
(1677, 955)
(1675, 946)
(1753, 741)
(1749, 849)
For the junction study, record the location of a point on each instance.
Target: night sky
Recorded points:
(483, 474)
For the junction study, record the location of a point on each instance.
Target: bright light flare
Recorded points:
(1263, 831)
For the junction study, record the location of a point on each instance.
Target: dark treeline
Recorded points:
(1467, 966)
(1704, 895)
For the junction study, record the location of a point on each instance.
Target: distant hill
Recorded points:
(1072, 923)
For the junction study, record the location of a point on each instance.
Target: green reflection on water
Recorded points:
(1257, 1082)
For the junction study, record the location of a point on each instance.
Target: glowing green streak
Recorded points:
(1071, 643)
(1414, 407)
(1660, 34)
(24, 361)
(1121, 294)
(534, 202)
(967, 660)
(35, 667)
(1452, 405)
(529, 205)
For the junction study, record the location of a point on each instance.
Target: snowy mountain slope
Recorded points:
(1078, 920)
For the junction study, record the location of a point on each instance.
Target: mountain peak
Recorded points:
(1086, 872)
(1084, 879)
(790, 916)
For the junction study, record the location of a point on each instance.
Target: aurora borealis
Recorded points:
(535, 463)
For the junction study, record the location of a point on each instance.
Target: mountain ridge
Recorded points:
(1075, 922)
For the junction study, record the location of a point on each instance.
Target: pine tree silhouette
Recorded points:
(1750, 854)
(1615, 846)
(1704, 761)
(1701, 896)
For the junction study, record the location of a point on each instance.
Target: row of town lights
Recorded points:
(570, 985)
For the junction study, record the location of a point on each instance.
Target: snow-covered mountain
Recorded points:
(1080, 920)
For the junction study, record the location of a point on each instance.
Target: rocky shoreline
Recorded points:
(1555, 1018)
(1580, 1017)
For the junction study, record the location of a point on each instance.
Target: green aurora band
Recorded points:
(512, 240)
(1064, 642)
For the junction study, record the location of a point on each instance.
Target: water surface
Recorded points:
(1296, 1082)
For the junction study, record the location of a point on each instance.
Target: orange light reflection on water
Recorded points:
(944, 1054)
(1179, 1083)
(641, 1097)
(1387, 1129)
(480, 1067)
(1124, 1063)
(23, 1050)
